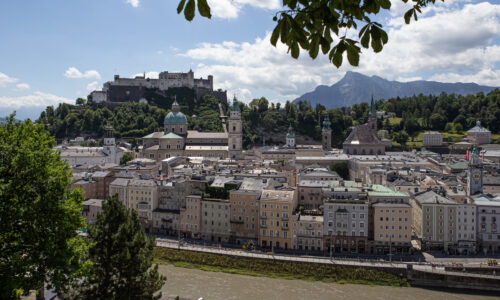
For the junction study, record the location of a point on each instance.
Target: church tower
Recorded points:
(109, 147)
(372, 118)
(235, 133)
(474, 174)
(327, 133)
(109, 139)
(290, 138)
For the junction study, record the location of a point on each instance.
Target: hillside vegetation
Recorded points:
(453, 114)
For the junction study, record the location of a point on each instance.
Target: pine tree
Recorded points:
(122, 257)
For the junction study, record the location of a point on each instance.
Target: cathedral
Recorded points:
(363, 139)
(177, 140)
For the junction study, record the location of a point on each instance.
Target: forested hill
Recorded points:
(129, 120)
(269, 121)
(355, 88)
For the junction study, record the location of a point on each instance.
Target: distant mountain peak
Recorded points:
(356, 87)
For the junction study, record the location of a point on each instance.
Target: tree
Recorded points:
(458, 128)
(342, 169)
(122, 257)
(126, 158)
(401, 137)
(309, 24)
(39, 214)
(449, 127)
(80, 101)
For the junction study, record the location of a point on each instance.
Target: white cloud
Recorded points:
(5, 80)
(487, 77)
(134, 3)
(36, 99)
(22, 86)
(229, 9)
(452, 41)
(92, 86)
(73, 72)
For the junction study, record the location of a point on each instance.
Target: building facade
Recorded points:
(276, 210)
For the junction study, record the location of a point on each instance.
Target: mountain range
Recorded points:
(355, 88)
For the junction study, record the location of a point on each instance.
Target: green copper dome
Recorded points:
(290, 134)
(326, 123)
(235, 106)
(175, 117)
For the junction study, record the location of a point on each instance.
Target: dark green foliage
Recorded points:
(122, 257)
(126, 158)
(342, 169)
(218, 192)
(39, 214)
(131, 120)
(310, 25)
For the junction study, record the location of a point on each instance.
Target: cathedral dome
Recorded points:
(175, 117)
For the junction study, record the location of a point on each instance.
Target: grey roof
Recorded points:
(478, 128)
(120, 182)
(314, 183)
(491, 180)
(431, 197)
(251, 184)
(94, 202)
(362, 135)
(487, 200)
(193, 134)
(141, 182)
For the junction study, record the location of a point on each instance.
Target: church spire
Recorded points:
(372, 106)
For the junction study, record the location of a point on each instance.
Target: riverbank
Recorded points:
(194, 283)
(275, 269)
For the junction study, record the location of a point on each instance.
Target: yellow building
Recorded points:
(276, 210)
(143, 198)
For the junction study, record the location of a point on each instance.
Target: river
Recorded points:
(193, 283)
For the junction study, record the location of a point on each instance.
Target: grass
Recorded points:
(395, 121)
(275, 269)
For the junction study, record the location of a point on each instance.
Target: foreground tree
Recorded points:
(122, 257)
(39, 215)
(310, 24)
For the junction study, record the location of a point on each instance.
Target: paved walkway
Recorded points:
(426, 267)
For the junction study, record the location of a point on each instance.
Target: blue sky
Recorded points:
(59, 50)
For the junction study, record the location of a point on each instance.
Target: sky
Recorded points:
(58, 50)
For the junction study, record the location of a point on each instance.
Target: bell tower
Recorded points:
(235, 133)
(372, 118)
(327, 133)
(474, 174)
(290, 137)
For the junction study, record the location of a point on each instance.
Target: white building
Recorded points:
(488, 217)
(479, 135)
(345, 225)
(432, 138)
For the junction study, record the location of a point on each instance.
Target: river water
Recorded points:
(193, 284)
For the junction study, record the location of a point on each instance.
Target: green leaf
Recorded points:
(353, 54)
(313, 51)
(189, 10)
(181, 6)
(295, 50)
(384, 37)
(285, 27)
(325, 45)
(386, 4)
(276, 33)
(408, 16)
(376, 45)
(337, 58)
(204, 9)
(365, 40)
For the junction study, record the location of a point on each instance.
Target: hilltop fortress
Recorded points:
(133, 89)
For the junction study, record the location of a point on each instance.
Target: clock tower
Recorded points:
(474, 174)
